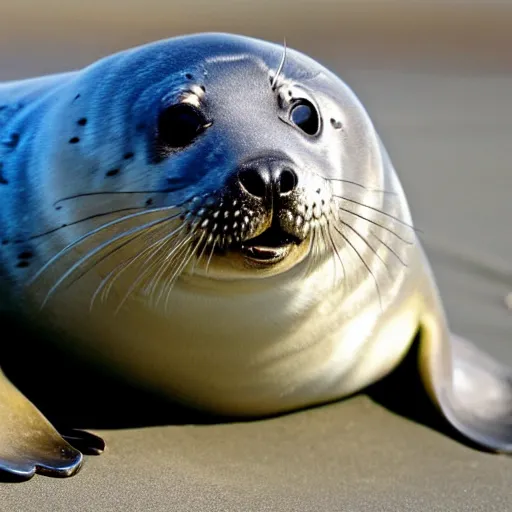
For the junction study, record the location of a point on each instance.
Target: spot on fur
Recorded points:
(3, 180)
(12, 141)
(336, 124)
(112, 172)
(25, 255)
(74, 140)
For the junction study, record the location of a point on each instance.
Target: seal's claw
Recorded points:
(87, 443)
(28, 442)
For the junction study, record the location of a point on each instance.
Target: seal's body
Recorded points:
(220, 221)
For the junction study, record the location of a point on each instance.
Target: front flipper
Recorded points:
(472, 390)
(28, 442)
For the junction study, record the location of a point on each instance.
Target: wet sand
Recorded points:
(447, 122)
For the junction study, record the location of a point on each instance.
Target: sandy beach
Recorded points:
(441, 99)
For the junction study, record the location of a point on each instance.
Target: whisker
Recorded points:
(360, 185)
(210, 257)
(364, 263)
(377, 210)
(103, 258)
(312, 252)
(389, 248)
(114, 192)
(92, 253)
(90, 217)
(367, 243)
(334, 246)
(140, 233)
(196, 261)
(121, 267)
(377, 224)
(177, 272)
(95, 231)
(153, 248)
(166, 264)
(160, 245)
(279, 69)
(108, 282)
(134, 285)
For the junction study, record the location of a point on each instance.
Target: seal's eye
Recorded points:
(303, 114)
(180, 124)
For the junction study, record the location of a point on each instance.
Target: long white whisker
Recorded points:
(336, 251)
(73, 244)
(138, 235)
(107, 283)
(364, 263)
(166, 265)
(92, 253)
(210, 257)
(123, 265)
(196, 261)
(139, 279)
(158, 243)
(178, 271)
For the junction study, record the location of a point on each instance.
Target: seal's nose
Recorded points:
(262, 178)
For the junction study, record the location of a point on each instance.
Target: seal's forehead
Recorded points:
(213, 49)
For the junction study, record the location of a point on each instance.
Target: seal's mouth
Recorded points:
(272, 246)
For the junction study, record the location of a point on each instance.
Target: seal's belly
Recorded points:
(241, 357)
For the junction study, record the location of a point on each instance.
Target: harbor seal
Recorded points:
(216, 218)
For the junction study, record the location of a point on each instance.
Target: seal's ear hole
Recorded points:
(304, 115)
(180, 124)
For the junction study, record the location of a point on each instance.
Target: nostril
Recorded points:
(253, 182)
(287, 181)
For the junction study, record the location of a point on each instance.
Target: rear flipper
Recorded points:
(472, 390)
(475, 396)
(29, 444)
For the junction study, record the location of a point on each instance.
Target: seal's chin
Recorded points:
(269, 248)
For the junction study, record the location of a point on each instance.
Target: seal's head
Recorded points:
(240, 159)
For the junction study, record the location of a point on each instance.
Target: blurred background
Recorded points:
(435, 76)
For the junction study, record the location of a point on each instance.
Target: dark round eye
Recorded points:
(180, 124)
(304, 115)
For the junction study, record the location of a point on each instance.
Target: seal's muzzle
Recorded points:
(270, 181)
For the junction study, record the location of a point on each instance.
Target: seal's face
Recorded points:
(272, 192)
(262, 154)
